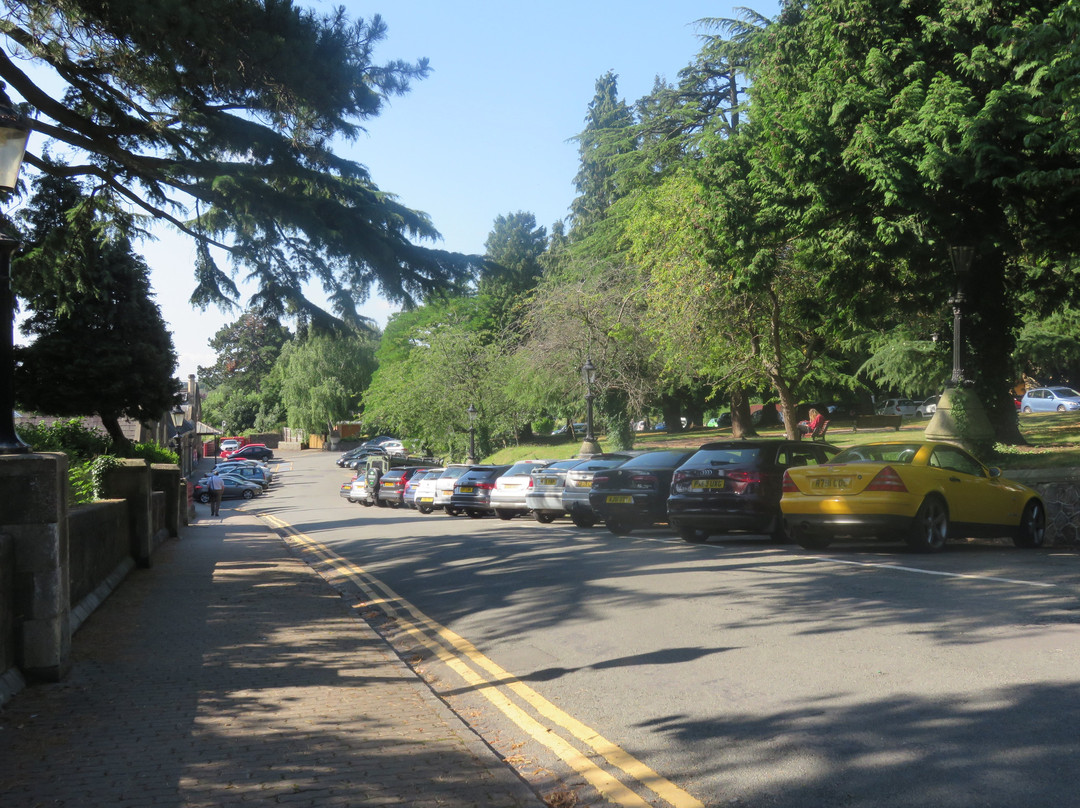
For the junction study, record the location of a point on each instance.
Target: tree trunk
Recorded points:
(672, 413)
(742, 424)
(121, 443)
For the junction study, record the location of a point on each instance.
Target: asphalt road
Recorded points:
(738, 672)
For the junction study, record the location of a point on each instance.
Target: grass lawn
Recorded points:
(1053, 441)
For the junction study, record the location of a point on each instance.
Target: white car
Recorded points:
(927, 408)
(426, 491)
(508, 497)
(898, 406)
(230, 445)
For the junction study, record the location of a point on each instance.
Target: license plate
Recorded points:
(702, 484)
(584, 483)
(832, 482)
(427, 499)
(466, 489)
(508, 486)
(619, 499)
(549, 481)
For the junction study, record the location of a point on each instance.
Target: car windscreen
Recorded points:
(1064, 392)
(735, 456)
(884, 453)
(655, 460)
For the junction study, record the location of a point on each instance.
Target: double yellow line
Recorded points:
(497, 685)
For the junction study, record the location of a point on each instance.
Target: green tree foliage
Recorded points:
(99, 344)
(910, 128)
(512, 267)
(322, 377)
(221, 118)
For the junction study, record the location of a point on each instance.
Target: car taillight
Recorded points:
(485, 486)
(600, 480)
(887, 480)
(789, 486)
(745, 476)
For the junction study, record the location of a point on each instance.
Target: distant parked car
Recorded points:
(635, 493)
(230, 444)
(544, 496)
(897, 406)
(444, 487)
(235, 487)
(392, 485)
(928, 407)
(252, 451)
(575, 494)
(425, 488)
(735, 486)
(1050, 399)
(249, 471)
(579, 429)
(511, 488)
(472, 490)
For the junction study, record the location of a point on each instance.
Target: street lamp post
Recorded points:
(588, 374)
(472, 413)
(961, 262)
(14, 132)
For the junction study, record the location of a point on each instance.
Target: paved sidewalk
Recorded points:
(230, 674)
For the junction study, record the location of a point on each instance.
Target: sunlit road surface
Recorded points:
(642, 670)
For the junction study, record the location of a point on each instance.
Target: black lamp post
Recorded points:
(589, 445)
(472, 412)
(961, 262)
(14, 132)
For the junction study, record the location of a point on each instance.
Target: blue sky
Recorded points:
(488, 133)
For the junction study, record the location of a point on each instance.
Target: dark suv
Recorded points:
(392, 485)
(472, 490)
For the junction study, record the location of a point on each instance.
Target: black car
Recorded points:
(635, 493)
(392, 485)
(253, 451)
(472, 490)
(735, 485)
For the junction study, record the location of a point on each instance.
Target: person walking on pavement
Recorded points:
(216, 484)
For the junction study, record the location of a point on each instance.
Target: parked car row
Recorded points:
(244, 479)
(812, 493)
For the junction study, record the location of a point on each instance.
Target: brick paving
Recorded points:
(229, 674)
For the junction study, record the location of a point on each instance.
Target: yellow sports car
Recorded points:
(922, 492)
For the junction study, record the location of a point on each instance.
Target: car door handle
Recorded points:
(954, 479)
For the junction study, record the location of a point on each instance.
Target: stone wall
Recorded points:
(1060, 490)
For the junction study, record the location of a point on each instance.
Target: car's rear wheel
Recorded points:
(619, 527)
(204, 498)
(583, 519)
(692, 534)
(424, 509)
(1027, 410)
(475, 513)
(394, 504)
(929, 530)
(506, 516)
(451, 511)
(1032, 529)
(248, 493)
(543, 518)
(365, 502)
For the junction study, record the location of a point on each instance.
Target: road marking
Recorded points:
(468, 662)
(921, 571)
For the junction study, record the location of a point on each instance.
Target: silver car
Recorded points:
(544, 497)
(508, 495)
(575, 494)
(444, 487)
(424, 500)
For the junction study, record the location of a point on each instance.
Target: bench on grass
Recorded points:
(819, 431)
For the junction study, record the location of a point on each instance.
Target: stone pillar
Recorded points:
(131, 481)
(166, 477)
(33, 515)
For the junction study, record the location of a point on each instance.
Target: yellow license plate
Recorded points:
(427, 499)
(707, 483)
(509, 486)
(619, 499)
(548, 481)
(832, 483)
(584, 483)
(466, 489)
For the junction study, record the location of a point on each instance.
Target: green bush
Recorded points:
(154, 452)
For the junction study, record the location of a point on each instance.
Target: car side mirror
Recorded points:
(994, 472)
